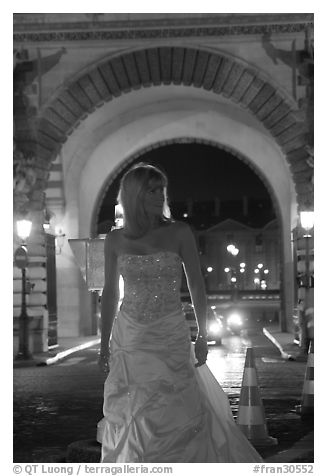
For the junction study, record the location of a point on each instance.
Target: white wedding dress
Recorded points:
(158, 407)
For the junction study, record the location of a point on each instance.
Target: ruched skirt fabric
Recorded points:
(158, 407)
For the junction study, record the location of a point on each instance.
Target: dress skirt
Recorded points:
(159, 408)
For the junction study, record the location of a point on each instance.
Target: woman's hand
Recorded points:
(201, 350)
(103, 363)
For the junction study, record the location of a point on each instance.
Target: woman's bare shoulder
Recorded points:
(180, 232)
(181, 228)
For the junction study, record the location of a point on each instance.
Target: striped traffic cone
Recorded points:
(251, 414)
(307, 405)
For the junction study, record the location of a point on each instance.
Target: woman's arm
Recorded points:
(195, 282)
(110, 294)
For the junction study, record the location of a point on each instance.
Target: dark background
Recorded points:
(201, 172)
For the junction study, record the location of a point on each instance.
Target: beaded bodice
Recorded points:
(152, 284)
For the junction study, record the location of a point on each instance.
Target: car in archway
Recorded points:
(234, 321)
(215, 328)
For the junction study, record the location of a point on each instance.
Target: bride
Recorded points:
(161, 402)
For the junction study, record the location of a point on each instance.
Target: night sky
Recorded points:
(203, 172)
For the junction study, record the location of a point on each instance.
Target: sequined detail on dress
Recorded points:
(152, 284)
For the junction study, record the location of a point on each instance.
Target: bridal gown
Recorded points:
(157, 406)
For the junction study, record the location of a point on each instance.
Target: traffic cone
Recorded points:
(251, 413)
(307, 405)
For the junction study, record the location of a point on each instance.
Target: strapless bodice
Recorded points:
(152, 284)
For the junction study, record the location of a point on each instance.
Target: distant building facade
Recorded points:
(256, 246)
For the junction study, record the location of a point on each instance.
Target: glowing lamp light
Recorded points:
(214, 328)
(260, 265)
(185, 215)
(242, 265)
(256, 271)
(235, 319)
(233, 279)
(226, 270)
(266, 271)
(232, 249)
(242, 270)
(209, 269)
(307, 220)
(256, 280)
(24, 228)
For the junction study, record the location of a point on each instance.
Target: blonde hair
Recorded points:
(133, 186)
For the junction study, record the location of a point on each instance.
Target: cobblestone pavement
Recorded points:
(59, 404)
(280, 382)
(56, 405)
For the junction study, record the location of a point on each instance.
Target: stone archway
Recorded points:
(199, 69)
(187, 66)
(176, 122)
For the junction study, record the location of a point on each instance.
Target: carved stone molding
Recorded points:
(60, 21)
(99, 33)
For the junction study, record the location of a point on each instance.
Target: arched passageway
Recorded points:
(130, 102)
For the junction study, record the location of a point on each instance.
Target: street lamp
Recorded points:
(263, 284)
(307, 222)
(21, 261)
(260, 280)
(242, 273)
(233, 250)
(23, 229)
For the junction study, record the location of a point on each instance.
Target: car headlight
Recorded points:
(234, 319)
(214, 328)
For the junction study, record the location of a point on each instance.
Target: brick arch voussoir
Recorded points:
(178, 65)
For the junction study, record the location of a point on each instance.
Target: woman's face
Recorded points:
(154, 199)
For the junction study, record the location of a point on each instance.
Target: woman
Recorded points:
(161, 404)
